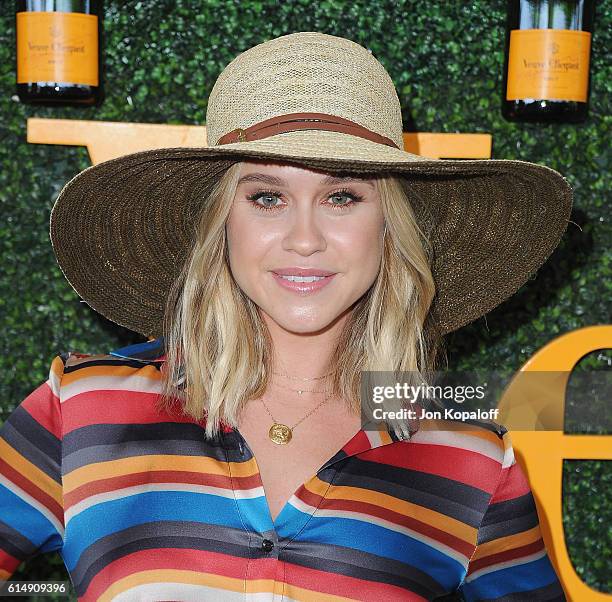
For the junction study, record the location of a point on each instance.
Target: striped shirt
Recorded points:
(141, 506)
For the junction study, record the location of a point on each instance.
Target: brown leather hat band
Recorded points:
(292, 122)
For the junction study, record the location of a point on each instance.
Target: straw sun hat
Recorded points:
(122, 229)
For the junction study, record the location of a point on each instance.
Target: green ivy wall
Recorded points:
(446, 59)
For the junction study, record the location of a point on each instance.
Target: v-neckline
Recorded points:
(275, 521)
(362, 440)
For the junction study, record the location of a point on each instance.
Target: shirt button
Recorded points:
(267, 545)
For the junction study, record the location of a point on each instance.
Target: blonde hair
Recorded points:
(218, 348)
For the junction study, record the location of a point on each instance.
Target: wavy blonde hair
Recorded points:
(218, 347)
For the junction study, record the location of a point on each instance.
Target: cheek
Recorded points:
(361, 246)
(238, 234)
(246, 243)
(236, 231)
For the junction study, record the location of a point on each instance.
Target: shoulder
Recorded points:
(150, 353)
(108, 388)
(486, 435)
(475, 453)
(134, 367)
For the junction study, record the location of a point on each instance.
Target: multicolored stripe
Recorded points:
(142, 506)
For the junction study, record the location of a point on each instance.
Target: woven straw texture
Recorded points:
(305, 72)
(121, 229)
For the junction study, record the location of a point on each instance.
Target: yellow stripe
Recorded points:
(471, 430)
(385, 436)
(317, 486)
(30, 471)
(509, 542)
(114, 371)
(4, 574)
(172, 576)
(97, 471)
(263, 586)
(57, 367)
(408, 509)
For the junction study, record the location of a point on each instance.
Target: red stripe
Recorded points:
(466, 466)
(513, 484)
(102, 406)
(44, 407)
(197, 561)
(505, 556)
(358, 443)
(114, 484)
(38, 494)
(372, 510)
(8, 562)
(344, 586)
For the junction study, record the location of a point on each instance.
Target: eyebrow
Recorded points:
(275, 181)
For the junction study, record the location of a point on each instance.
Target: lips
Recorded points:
(296, 271)
(303, 288)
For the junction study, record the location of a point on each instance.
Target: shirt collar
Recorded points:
(150, 351)
(370, 436)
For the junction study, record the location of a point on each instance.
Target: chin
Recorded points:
(311, 321)
(299, 327)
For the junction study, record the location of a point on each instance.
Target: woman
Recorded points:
(233, 455)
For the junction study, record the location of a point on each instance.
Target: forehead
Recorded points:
(281, 174)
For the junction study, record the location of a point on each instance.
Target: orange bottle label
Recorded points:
(548, 64)
(57, 47)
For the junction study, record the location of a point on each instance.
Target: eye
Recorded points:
(263, 194)
(353, 197)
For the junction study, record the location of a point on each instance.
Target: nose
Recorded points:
(304, 235)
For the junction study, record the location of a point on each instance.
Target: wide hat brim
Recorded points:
(121, 229)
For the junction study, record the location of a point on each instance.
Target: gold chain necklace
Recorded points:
(300, 378)
(280, 433)
(300, 391)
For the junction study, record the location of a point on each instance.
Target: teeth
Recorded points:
(303, 278)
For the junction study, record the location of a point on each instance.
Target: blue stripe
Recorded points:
(117, 515)
(28, 521)
(374, 539)
(256, 513)
(518, 578)
(148, 350)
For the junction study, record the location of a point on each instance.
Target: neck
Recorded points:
(303, 355)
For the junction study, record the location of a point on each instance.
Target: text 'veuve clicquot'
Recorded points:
(58, 52)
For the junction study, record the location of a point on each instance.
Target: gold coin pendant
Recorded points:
(280, 433)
